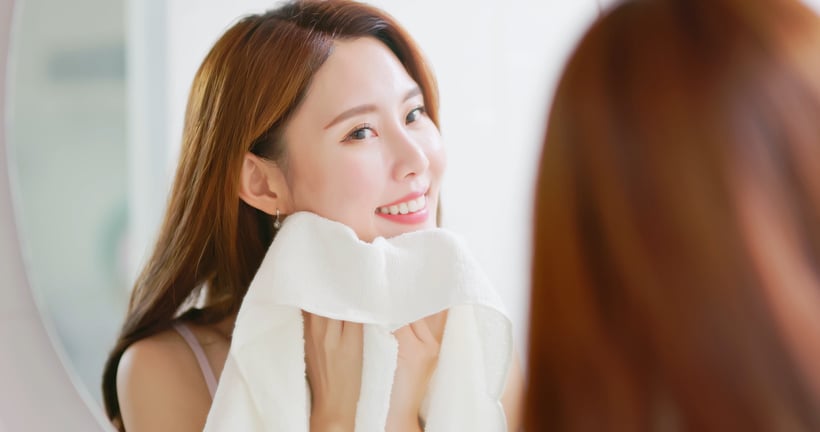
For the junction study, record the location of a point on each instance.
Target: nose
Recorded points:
(410, 156)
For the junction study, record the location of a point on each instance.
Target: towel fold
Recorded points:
(320, 266)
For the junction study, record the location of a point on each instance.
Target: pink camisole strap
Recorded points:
(204, 366)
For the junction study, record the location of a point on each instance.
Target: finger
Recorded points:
(352, 332)
(307, 319)
(437, 323)
(422, 331)
(318, 326)
(405, 334)
(334, 329)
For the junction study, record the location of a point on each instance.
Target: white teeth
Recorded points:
(421, 201)
(411, 206)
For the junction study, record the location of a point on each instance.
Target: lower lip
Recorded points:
(407, 219)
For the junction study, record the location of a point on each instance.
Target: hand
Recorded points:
(419, 345)
(333, 353)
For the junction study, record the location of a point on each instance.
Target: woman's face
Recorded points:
(361, 149)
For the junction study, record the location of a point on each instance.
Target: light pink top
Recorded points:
(196, 347)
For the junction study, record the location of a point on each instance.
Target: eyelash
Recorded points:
(421, 110)
(366, 126)
(361, 127)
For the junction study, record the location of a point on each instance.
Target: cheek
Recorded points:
(438, 162)
(436, 155)
(336, 185)
(358, 181)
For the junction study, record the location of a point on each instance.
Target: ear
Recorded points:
(262, 185)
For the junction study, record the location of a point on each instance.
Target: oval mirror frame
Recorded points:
(39, 391)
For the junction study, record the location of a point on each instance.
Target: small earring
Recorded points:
(276, 223)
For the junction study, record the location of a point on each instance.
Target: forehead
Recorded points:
(358, 71)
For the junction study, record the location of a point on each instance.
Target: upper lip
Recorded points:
(408, 197)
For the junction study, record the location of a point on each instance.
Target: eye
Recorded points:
(361, 132)
(414, 115)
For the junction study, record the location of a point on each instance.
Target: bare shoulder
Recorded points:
(160, 386)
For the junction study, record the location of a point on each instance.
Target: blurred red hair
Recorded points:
(677, 227)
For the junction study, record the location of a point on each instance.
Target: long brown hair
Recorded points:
(655, 306)
(242, 96)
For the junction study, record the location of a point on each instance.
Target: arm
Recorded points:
(512, 398)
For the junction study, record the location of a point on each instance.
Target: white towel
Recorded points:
(320, 266)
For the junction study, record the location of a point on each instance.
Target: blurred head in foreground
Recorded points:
(676, 269)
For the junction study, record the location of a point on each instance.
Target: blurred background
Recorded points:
(96, 95)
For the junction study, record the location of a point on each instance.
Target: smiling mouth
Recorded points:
(405, 207)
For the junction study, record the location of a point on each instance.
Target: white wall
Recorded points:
(497, 63)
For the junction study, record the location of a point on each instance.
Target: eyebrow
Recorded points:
(367, 108)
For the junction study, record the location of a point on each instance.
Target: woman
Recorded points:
(677, 235)
(318, 106)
